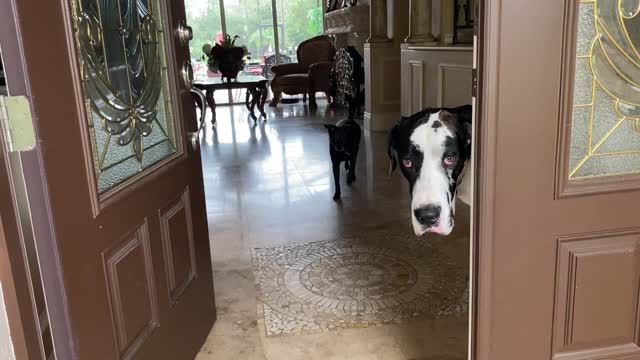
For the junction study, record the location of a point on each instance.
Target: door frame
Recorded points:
(33, 211)
(19, 303)
(13, 278)
(13, 274)
(486, 111)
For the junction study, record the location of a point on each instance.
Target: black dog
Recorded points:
(344, 141)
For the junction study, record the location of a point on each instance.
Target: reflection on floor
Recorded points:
(270, 186)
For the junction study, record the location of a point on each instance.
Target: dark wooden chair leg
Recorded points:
(254, 100)
(263, 99)
(276, 97)
(312, 99)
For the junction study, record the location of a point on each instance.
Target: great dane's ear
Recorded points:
(468, 131)
(464, 123)
(392, 151)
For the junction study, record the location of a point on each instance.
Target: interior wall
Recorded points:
(435, 77)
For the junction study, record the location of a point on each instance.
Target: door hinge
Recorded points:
(474, 82)
(16, 123)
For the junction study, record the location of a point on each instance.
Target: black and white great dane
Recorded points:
(432, 148)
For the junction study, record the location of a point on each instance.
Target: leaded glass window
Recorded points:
(124, 71)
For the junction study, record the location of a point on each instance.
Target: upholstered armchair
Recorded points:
(311, 74)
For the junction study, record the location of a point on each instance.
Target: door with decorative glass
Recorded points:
(558, 195)
(111, 94)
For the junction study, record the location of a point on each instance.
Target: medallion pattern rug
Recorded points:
(354, 283)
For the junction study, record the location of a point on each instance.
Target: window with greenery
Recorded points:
(252, 21)
(299, 20)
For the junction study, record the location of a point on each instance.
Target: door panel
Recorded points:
(178, 246)
(127, 194)
(558, 194)
(585, 290)
(132, 294)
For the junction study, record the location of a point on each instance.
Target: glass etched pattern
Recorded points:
(605, 129)
(125, 78)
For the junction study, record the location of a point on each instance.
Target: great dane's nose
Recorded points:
(427, 215)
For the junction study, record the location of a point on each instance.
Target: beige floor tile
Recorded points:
(232, 348)
(333, 346)
(436, 339)
(271, 185)
(236, 324)
(235, 291)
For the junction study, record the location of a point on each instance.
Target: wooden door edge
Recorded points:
(23, 338)
(14, 277)
(14, 271)
(477, 141)
(485, 186)
(19, 305)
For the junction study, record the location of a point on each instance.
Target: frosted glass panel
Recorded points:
(605, 129)
(125, 79)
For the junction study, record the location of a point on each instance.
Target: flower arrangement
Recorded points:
(226, 57)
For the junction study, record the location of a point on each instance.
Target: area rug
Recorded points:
(354, 283)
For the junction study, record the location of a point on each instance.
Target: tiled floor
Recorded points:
(374, 279)
(270, 186)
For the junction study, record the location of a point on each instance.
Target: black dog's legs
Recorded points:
(336, 179)
(351, 176)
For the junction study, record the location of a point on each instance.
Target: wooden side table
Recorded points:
(256, 86)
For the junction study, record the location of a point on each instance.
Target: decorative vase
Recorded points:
(225, 57)
(229, 70)
(231, 63)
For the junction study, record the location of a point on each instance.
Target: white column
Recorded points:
(378, 22)
(420, 22)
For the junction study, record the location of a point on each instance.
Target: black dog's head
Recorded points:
(338, 137)
(431, 148)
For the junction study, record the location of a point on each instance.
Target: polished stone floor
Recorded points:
(269, 187)
(374, 279)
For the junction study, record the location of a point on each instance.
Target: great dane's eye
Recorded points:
(450, 160)
(407, 163)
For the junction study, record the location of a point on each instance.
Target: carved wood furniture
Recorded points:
(255, 85)
(307, 76)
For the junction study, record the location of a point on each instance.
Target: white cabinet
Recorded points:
(435, 76)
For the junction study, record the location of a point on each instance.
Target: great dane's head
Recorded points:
(432, 148)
